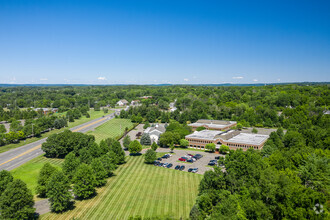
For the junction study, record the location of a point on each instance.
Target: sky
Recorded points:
(164, 41)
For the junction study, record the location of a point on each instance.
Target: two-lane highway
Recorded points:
(18, 156)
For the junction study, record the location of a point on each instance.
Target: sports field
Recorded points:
(29, 172)
(111, 129)
(139, 189)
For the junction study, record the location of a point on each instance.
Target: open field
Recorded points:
(29, 172)
(83, 119)
(111, 129)
(139, 189)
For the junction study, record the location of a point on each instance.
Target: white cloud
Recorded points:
(186, 80)
(43, 79)
(238, 77)
(101, 78)
(278, 80)
(255, 80)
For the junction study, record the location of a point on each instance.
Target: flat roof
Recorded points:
(244, 138)
(212, 123)
(205, 134)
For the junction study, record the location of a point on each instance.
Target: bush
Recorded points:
(224, 149)
(200, 128)
(145, 139)
(184, 143)
(154, 146)
(254, 130)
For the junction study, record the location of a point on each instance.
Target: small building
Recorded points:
(155, 131)
(46, 110)
(122, 102)
(234, 139)
(146, 97)
(219, 125)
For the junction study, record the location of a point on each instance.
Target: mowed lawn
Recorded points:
(139, 189)
(29, 172)
(111, 129)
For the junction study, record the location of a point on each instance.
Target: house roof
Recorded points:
(245, 138)
(159, 128)
(205, 134)
(219, 124)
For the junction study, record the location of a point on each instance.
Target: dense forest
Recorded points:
(289, 178)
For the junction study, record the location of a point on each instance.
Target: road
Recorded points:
(18, 156)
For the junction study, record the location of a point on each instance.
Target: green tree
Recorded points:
(167, 138)
(70, 164)
(150, 156)
(108, 164)
(85, 156)
(154, 146)
(2, 129)
(254, 130)
(5, 179)
(146, 125)
(184, 143)
(84, 182)
(99, 172)
(126, 141)
(116, 148)
(210, 147)
(60, 197)
(145, 139)
(224, 149)
(135, 147)
(239, 126)
(16, 202)
(45, 173)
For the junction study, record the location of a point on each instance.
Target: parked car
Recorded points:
(195, 170)
(217, 157)
(160, 159)
(177, 167)
(191, 155)
(169, 165)
(160, 164)
(214, 161)
(211, 164)
(190, 161)
(186, 158)
(181, 159)
(165, 156)
(182, 167)
(156, 163)
(190, 169)
(194, 159)
(199, 156)
(165, 164)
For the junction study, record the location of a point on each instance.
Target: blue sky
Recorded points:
(142, 42)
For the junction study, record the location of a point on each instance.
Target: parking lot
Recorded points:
(201, 164)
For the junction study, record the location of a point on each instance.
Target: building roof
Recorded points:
(219, 124)
(157, 129)
(205, 134)
(245, 138)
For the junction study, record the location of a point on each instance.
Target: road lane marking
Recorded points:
(39, 146)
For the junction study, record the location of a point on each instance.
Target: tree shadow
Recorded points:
(135, 154)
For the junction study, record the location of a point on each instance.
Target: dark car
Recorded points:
(156, 163)
(160, 159)
(186, 158)
(214, 161)
(169, 165)
(182, 167)
(165, 156)
(211, 164)
(199, 155)
(217, 157)
(190, 161)
(190, 169)
(160, 164)
(177, 167)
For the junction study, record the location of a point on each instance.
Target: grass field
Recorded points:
(139, 189)
(29, 172)
(111, 129)
(83, 119)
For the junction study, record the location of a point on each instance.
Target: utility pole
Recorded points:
(32, 131)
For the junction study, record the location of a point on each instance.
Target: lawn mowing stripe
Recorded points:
(118, 180)
(167, 187)
(191, 187)
(82, 212)
(157, 196)
(113, 198)
(150, 211)
(123, 197)
(182, 192)
(132, 194)
(171, 194)
(79, 208)
(136, 205)
(103, 193)
(147, 203)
